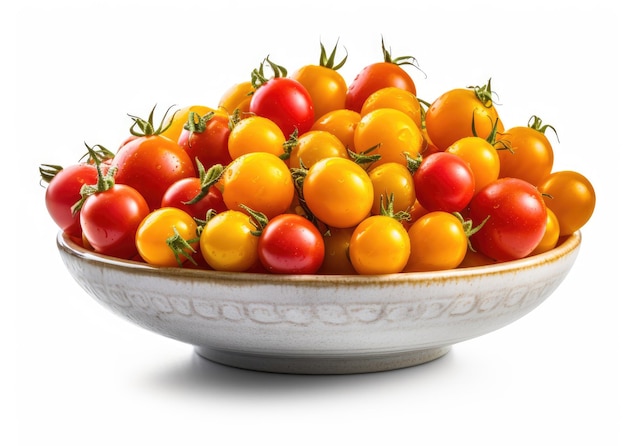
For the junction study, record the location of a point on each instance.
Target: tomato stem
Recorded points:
(180, 247)
(535, 122)
(104, 183)
(258, 75)
(329, 61)
(207, 180)
(142, 127)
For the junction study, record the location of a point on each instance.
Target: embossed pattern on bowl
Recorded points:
(320, 324)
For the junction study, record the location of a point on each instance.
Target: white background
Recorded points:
(78, 375)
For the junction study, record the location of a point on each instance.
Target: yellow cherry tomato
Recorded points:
(481, 156)
(326, 86)
(260, 181)
(166, 237)
(392, 179)
(255, 134)
(314, 145)
(389, 133)
(340, 123)
(438, 242)
(396, 98)
(237, 97)
(551, 236)
(336, 252)
(379, 245)
(338, 192)
(228, 242)
(572, 198)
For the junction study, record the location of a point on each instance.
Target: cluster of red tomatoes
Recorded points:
(305, 173)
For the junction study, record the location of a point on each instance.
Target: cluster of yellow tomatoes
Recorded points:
(304, 173)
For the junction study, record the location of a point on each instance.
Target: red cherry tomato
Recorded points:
(63, 192)
(205, 139)
(515, 219)
(291, 244)
(444, 182)
(285, 101)
(110, 220)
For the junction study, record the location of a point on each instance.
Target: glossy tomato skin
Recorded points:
(444, 182)
(286, 102)
(529, 156)
(379, 244)
(375, 77)
(110, 220)
(291, 244)
(208, 143)
(449, 117)
(326, 86)
(63, 192)
(572, 198)
(182, 192)
(154, 231)
(150, 164)
(515, 215)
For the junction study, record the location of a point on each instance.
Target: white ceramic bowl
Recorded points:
(320, 324)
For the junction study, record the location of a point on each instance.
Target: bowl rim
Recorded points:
(567, 245)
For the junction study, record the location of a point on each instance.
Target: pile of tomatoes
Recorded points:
(305, 173)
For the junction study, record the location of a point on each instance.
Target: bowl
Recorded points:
(320, 324)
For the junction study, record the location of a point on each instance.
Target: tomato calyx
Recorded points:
(258, 219)
(208, 178)
(48, 171)
(104, 183)
(258, 75)
(143, 127)
(181, 247)
(288, 145)
(484, 94)
(401, 60)
(469, 229)
(364, 158)
(536, 123)
(328, 61)
(386, 209)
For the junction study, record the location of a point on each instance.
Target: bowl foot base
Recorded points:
(321, 365)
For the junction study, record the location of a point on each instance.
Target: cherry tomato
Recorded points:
(338, 192)
(481, 156)
(379, 245)
(260, 181)
(283, 100)
(438, 242)
(551, 236)
(110, 219)
(314, 145)
(450, 116)
(392, 179)
(514, 216)
(189, 195)
(228, 242)
(237, 97)
(572, 198)
(291, 244)
(336, 252)
(205, 139)
(340, 123)
(373, 77)
(396, 98)
(63, 192)
(527, 153)
(180, 118)
(324, 83)
(167, 237)
(389, 133)
(444, 182)
(255, 134)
